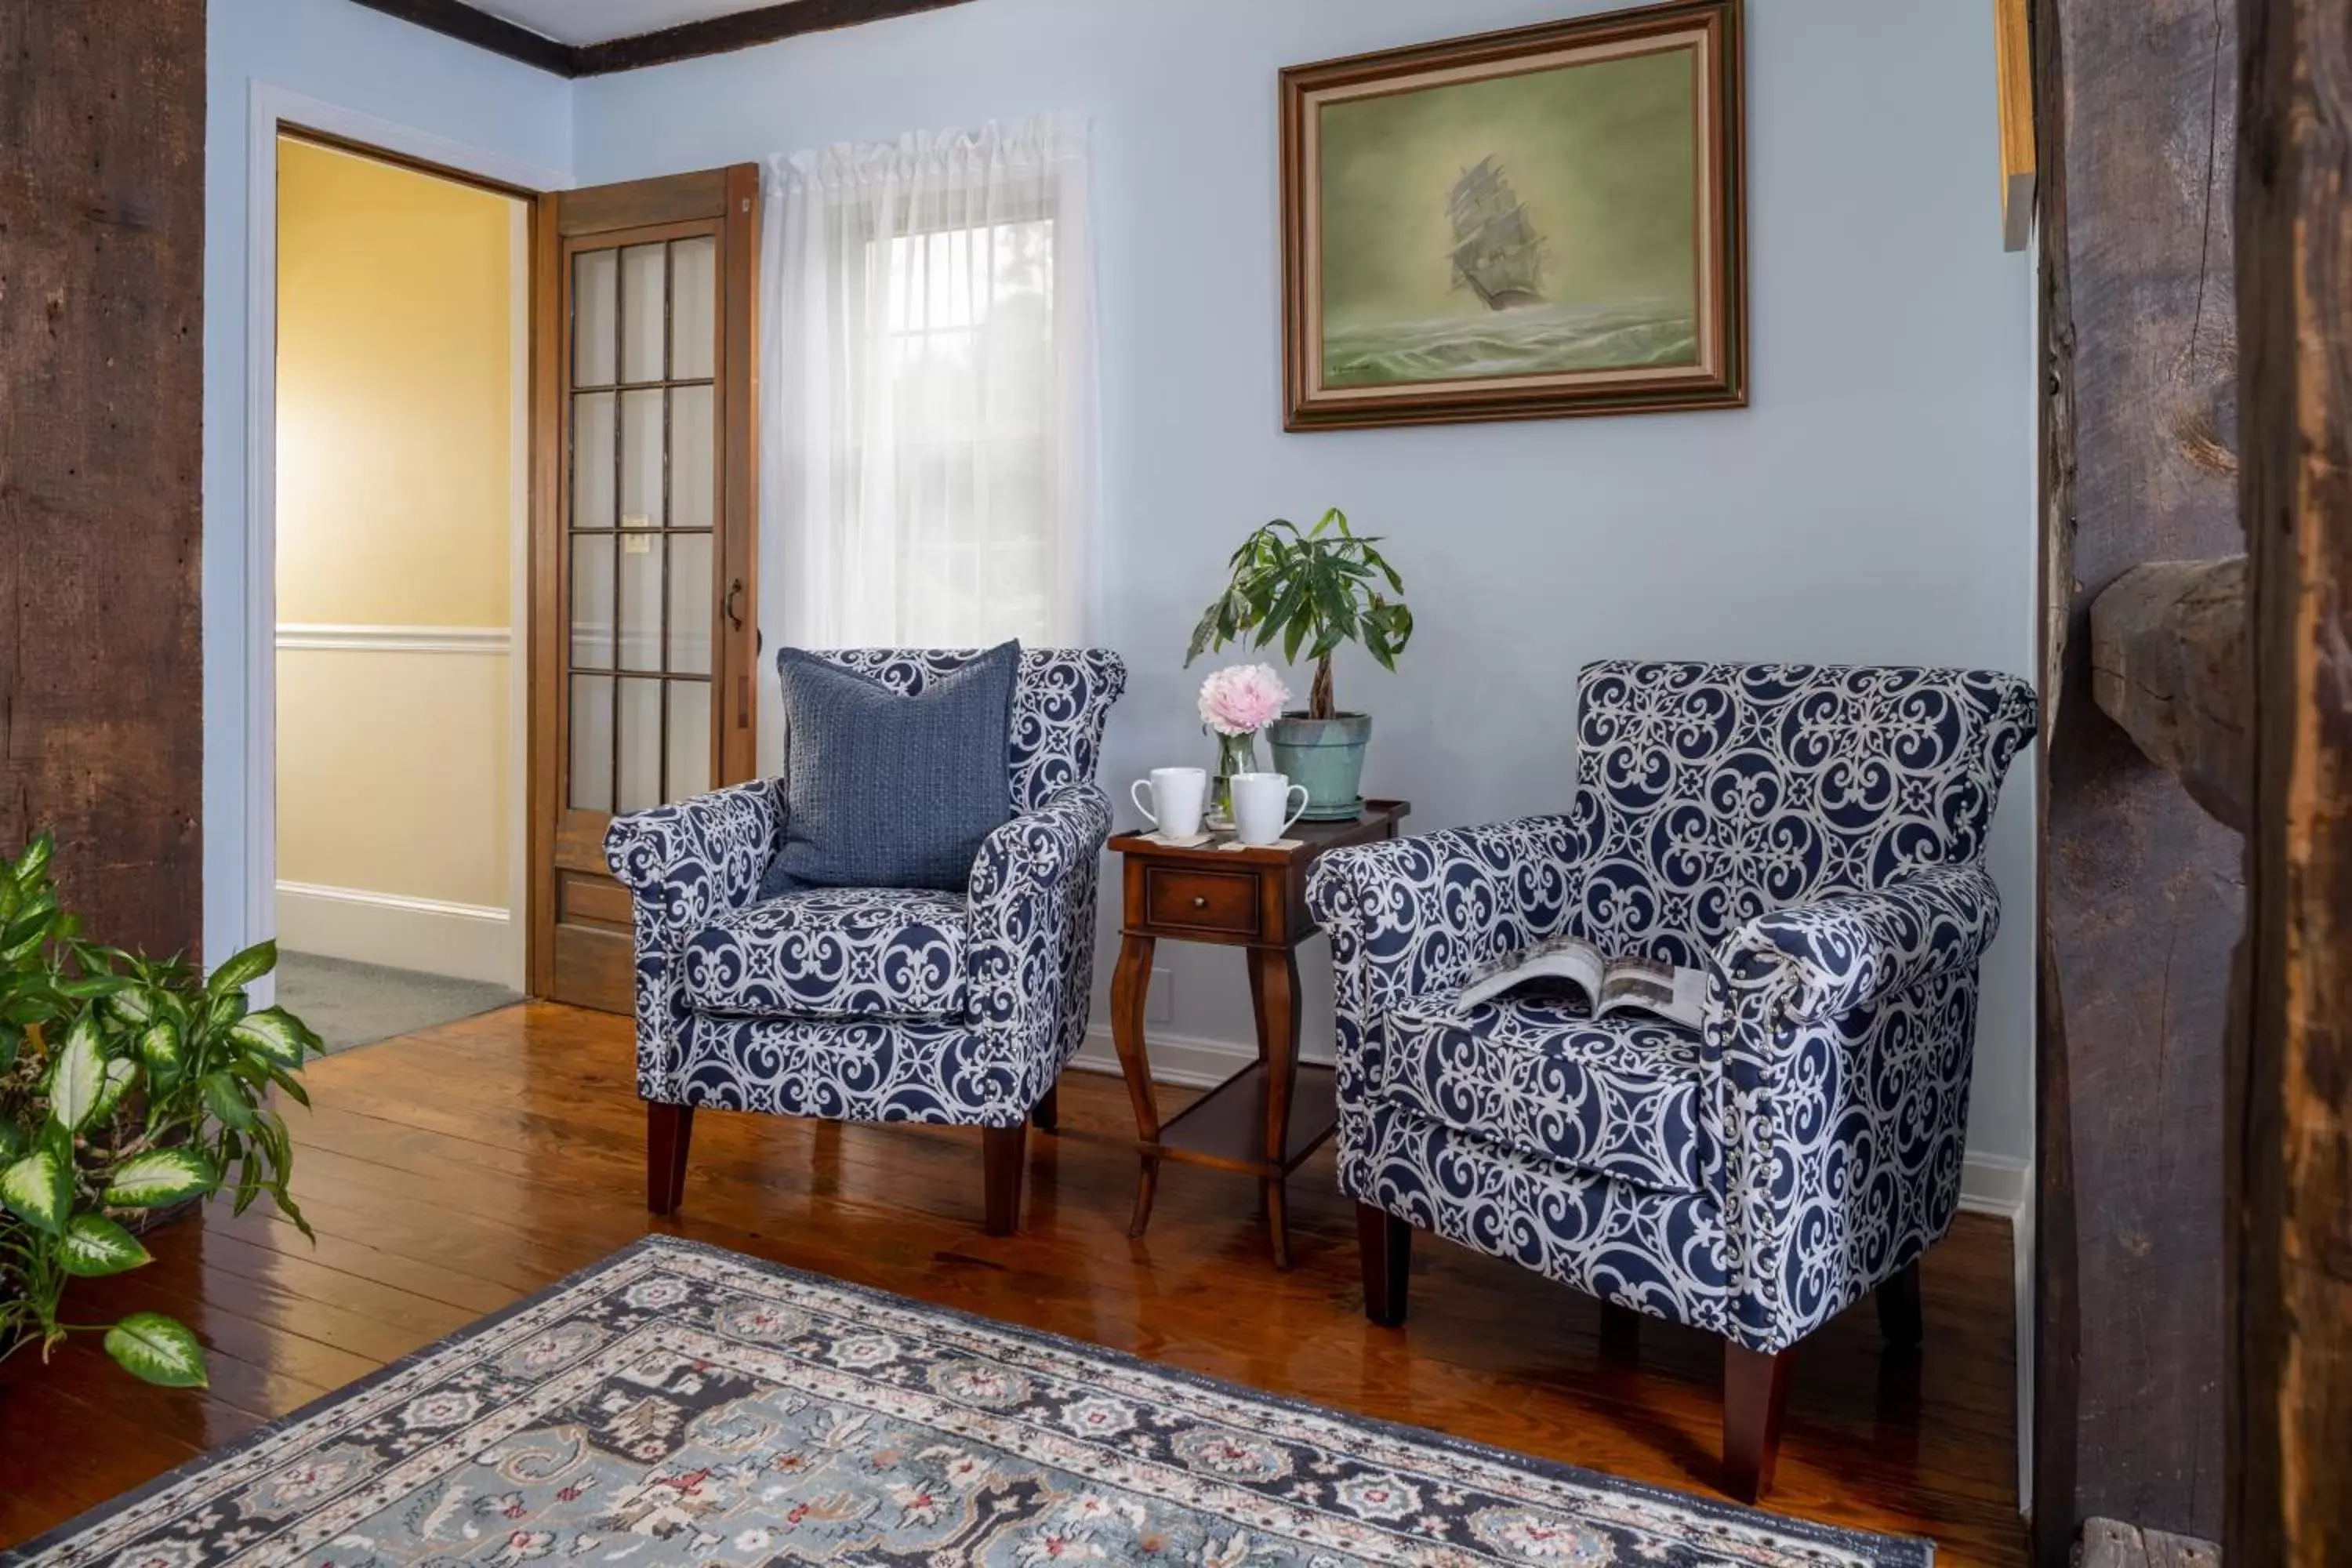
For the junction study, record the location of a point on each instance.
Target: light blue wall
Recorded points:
(355, 59)
(1874, 504)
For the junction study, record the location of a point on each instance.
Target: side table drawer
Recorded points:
(1201, 900)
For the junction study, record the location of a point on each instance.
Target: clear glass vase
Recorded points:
(1235, 754)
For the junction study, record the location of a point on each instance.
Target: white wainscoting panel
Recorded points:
(469, 941)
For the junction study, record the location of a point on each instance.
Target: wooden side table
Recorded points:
(1272, 1114)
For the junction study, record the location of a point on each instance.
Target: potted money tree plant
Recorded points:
(1314, 589)
(128, 1086)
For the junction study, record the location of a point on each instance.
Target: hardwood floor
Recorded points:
(451, 1172)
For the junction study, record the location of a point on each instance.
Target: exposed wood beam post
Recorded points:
(2135, 109)
(2290, 1061)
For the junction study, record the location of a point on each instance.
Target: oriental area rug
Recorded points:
(676, 1405)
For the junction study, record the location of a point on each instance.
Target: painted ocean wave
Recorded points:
(1533, 342)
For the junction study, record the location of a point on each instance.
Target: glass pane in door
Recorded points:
(644, 309)
(642, 601)
(694, 308)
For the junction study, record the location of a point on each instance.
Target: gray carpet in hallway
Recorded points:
(359, 1004)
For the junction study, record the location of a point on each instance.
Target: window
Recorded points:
(930, 481)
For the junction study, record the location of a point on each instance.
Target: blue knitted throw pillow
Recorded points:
(885, 790)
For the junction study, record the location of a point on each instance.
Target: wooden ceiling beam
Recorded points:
(689, 40)
(740, 30)
(457, 20)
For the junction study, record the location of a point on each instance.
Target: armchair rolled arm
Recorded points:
(688, 863)
(1844, 951)
(1409, 916)
(1015, 908)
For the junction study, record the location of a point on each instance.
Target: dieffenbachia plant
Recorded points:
(127, 1084)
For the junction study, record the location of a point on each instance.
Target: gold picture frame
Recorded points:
(1525, 224)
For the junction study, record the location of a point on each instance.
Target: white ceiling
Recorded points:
(593, 21)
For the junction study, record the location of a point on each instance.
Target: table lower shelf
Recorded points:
(1226, 1126)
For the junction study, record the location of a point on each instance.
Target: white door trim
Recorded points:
(270, 109)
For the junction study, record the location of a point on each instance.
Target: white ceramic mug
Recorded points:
(1262, 808)
(1174, 808)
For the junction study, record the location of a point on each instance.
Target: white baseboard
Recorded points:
(1990, 1183)
(468, 942)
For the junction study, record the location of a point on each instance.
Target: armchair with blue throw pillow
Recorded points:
(757, 990)
(1811, 838)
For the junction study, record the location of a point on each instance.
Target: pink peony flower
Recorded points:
(1242, 698)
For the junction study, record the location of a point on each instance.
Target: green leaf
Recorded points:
(161, 1177)
(34, 861)
(39, 1189)
(244, 969)
(121, 1072)
(160, 1047)
(132, 1005)
(291, 1085)
(13, 1140)
(158, 1350)
(95, 1245)
(273, 1033)
(77, 1075)
(226, 1100)
(286, 1206)
(90, 987)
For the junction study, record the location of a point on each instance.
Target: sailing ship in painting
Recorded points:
(1520, 325)
(1496, 253)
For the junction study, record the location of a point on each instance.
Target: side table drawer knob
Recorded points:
(1200, 903)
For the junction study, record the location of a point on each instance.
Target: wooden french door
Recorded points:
(643, 586)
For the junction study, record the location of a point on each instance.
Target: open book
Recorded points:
(1611, 985)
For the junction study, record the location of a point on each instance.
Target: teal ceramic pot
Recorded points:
(1327, 756)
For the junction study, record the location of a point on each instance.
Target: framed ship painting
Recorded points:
(1519, 226)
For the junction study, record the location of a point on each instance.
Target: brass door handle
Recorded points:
(734, 604)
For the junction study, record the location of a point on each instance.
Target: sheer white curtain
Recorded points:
(927, 469)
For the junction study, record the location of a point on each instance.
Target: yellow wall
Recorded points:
(396, 400)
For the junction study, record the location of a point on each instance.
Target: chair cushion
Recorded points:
(1617, 1097)
(891, 789)
(833, 952)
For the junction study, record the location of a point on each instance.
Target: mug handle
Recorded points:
(1133, 796)
(1299, 790)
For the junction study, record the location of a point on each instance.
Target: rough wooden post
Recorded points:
(2290, 1061)
(101, 404)
(2134, 104)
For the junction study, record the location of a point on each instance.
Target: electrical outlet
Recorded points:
(1159, 1008)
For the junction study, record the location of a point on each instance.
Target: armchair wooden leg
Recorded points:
(668, 1130)
(1047, 1114)
(1755, 1396)
(1385, 1243)
(1899, 1315)
(1004, 1155)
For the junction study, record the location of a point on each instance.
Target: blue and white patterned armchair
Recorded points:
(1813, 839)
(877, 1005)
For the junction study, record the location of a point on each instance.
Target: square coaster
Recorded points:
(1192, 843)
(1277, 843)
